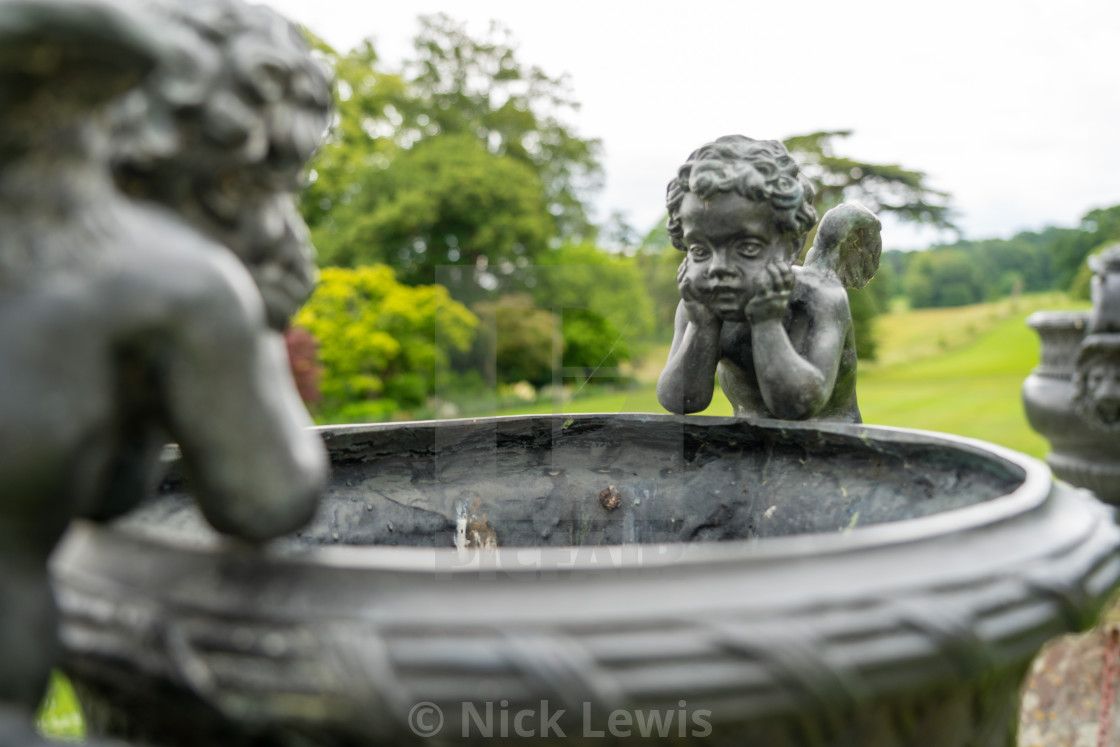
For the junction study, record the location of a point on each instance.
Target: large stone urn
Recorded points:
(1073, 396)
(1080, 452)
(597, 578)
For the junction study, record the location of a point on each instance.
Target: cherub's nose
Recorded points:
(719, 268)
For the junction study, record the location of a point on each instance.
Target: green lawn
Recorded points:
(970, 385)
(954, 370)
(973, 391)
(60, 717)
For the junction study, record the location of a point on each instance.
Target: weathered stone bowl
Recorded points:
(710, 580)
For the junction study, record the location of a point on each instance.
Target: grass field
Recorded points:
(60, 716)
(972, 386)
(955, 370)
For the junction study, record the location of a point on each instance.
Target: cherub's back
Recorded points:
(821, 300)
(104, 311)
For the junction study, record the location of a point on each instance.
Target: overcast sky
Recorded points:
(1011, 107)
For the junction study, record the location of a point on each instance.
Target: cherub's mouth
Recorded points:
(726, 300)
(717, 291)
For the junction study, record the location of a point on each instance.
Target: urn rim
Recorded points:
(1033, 490)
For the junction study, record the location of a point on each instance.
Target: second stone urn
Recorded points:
(1073, 396)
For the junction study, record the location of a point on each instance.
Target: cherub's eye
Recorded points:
(698, 252)
(748, 248)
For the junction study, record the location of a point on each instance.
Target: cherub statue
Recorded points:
(122, 326)
(1096, 382)
(1096, 378)
(220, 133)
(779, 337)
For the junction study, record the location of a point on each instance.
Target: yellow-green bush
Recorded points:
(380, 340)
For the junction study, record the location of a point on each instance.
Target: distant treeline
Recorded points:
(972, 271)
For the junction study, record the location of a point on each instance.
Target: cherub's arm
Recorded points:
(233, 408)
(687, 382)
(796, 386)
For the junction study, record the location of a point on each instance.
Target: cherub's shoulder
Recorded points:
(171, 260)
(819, 289)
(163, 232)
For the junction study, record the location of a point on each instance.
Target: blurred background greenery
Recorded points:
(461, 274)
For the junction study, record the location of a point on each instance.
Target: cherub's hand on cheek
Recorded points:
(772, 298)
(698, 312)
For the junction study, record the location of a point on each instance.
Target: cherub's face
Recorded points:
(1102, 394)
(730, 241)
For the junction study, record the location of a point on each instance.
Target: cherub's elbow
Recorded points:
(673, 402)
(293, 507)
(276, 503)
(690, 406)
(799, 404)
(678, 402)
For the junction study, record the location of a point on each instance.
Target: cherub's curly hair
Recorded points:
(241, 90)
(221, 132)
(756, 169)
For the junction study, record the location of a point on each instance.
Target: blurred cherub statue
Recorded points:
(779, 337)
(1096, 378)
(221, 132)
(123, 326)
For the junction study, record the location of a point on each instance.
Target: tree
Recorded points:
(882, 188)
(360, 137)
(432, 164)
(944, 278)
(445, 201)
(1082, 285)
(583, 276)
(1072, 246)
(479, 87)
(1013, 264)
(1030, 261)
(515, 341)
(381, 342)
(658, 262)
(579, 308)
(602, 300)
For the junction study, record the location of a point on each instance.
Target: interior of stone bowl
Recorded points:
(618, 479)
